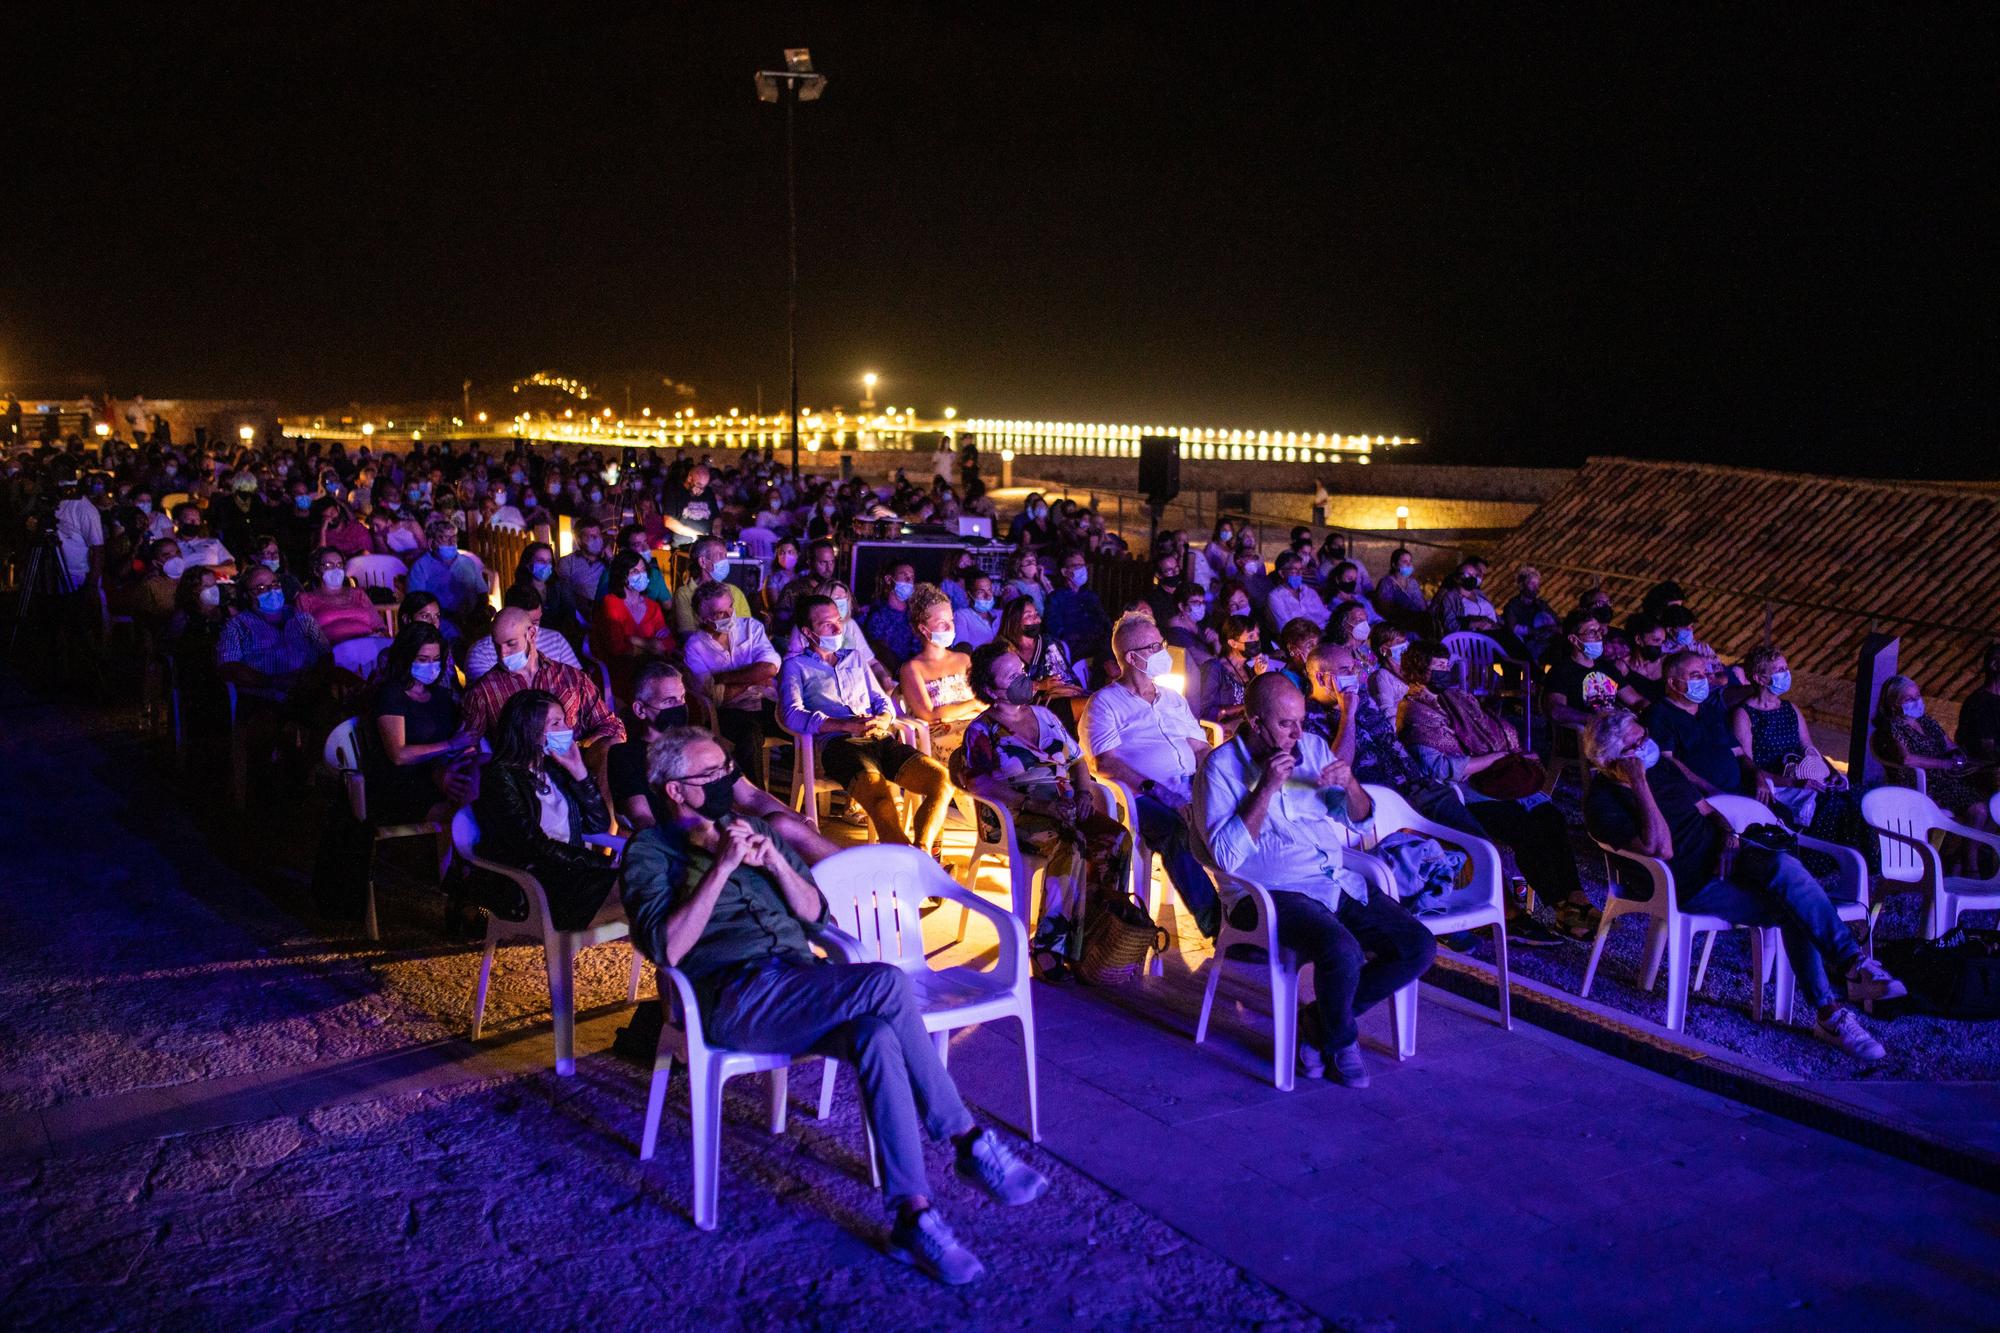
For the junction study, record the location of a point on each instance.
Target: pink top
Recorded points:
(343, 615)
(350, 538)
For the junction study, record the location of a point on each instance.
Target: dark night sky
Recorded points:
(1750, 234)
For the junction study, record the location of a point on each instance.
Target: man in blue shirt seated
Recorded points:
(1692, 727)
(714, 894)
(1261, 805)
(454, 578)
(827, 690)
(1072, 615)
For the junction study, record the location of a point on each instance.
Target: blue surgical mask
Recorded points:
(1405, 569)
(516, 662)
(902, 590)
(271, 564)
(637, 580)
(1780, 681)
(1079, 576)
(1394, 652)
(1697, 689)
(1295, 581)
(144, 506)
(721, 570)
(841, 604)
(1681, 638)
(982, 604)
(271, 601)
(541, 570)
(426, 673)
(1593, 648)
(447, 553)
(302, 502)
(1913, 708)
(1648, 752)
(559, 740)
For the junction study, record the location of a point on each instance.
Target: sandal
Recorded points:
(1578, 921)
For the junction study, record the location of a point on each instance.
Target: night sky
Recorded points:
(1751, 234)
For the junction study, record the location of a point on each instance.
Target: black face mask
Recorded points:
(1652, 652)
(1441, 680)
(1348, 585)
(718, 797)
(674, 715)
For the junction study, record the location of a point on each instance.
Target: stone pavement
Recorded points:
(216, 1110)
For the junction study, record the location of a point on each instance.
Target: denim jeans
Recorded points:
(1779, 891)
(863, 1015)
(1345, 984)
(1165, 831)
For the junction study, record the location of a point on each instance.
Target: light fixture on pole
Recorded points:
(796, 82)
(868, 383)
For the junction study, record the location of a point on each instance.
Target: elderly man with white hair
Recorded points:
(713, 893)
(1640, 805)
(1146, 737)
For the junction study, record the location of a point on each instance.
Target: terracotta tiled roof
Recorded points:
(1842, 553)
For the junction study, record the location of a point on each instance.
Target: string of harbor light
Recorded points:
(891, 427)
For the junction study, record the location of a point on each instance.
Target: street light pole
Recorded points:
(797, 82)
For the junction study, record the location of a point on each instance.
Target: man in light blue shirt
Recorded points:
(452, 577)
(1263, 807)
(826, 689)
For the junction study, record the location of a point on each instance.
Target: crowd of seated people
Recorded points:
(640, 679)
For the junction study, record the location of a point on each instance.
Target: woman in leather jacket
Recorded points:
(537, 801)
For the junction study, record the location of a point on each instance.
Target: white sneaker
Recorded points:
(1869, 980)
(926, 1242)
(1843, 1028)
(991, 1165)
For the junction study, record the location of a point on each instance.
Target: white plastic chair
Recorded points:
(874, 895)
(559, 947)
(1280, 966)
(759, 542)
(361, 657)
(709, 1068)
(343, 755)
(1672, 931)
(376, 571)
(1393, 814)
(1904, 822)
(1125, 806)
(1850, 900)
(1003, 843)
(808, 783)
(1481, 659)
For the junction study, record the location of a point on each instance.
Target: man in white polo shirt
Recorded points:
(731, 659)
(1147, 738)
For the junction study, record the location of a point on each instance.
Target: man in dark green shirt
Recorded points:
(713, 894)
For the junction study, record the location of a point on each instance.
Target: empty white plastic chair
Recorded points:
(361, 657)
(1393, 814)
(1483, 661)
(343, 755)
(376, 571)
(759, 542)
(1125, 809)
(1904, 822)
(875, 895)
(559, 947)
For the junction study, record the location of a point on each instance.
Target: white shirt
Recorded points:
(1155, 739)
(78, 528)
(483, 656)
(204, 551)
(747, 644)
(555, 811)
(1286, 606)
(1300, 849)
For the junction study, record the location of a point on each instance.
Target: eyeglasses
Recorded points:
(728, 771)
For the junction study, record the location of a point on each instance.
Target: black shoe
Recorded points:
(1525, 929)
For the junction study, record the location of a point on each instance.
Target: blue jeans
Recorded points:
(865, 1016)
(1361, 953)
(1165, 831)
(1779, 891)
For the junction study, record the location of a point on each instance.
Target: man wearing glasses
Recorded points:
(1146, 737)
(659, 704)
(715, 895)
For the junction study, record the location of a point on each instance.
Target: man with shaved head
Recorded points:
(1262, 805)
(522, 667)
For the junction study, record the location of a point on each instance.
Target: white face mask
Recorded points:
(174, 567)
(211, 596)
(333, 579)
(1159, 664)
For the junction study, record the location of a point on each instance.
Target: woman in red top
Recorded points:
(629, 626)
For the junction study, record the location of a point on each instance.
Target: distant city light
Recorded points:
(103, 429)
